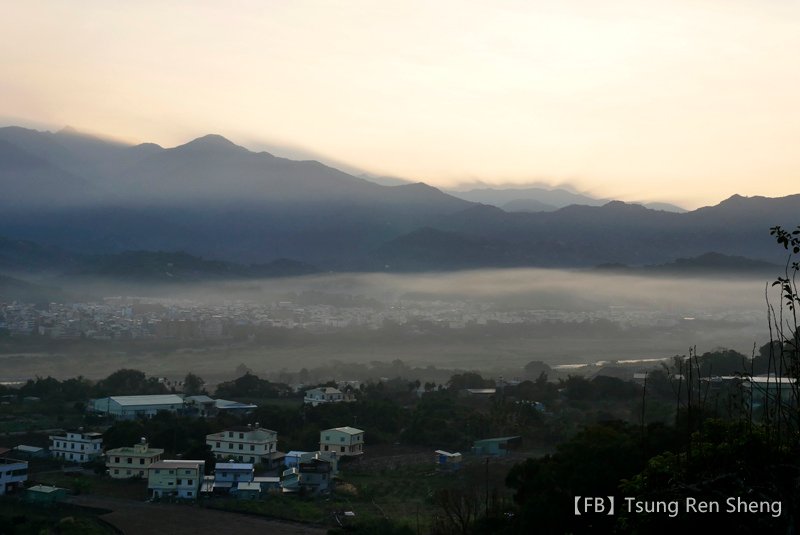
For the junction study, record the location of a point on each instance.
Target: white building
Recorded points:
(251, 444)
(344, 441)
(326, 394)
(76, 446)
(175, 478)
(13, 475)
(127, 462)
(129, 407)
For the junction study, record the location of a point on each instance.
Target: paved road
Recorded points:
(141, 518)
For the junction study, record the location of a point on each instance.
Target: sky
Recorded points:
(685, 101)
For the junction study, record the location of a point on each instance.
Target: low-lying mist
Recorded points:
(574, 290)
(489, 320)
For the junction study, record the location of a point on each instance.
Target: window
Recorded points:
(341, 439)
(218, 444)
(130, 460)
(342, 449)
(180, 482)
(326, 447)
(252, 447)
(141, 461)
(158, 471)
(116, 459)
(241, 446)
(190, 482)
(116, 471)
(189, 493)
(230, 434)
(241, 435)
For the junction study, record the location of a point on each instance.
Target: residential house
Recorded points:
(251, 444)
(229, 475)
(13, 475)
(247, 491)
(76, 446)
(30, 452)
(316, 475)
(175, 478)
(126, 462)
(326, 394)
(294, 458)
(313, 476)
(344, 441)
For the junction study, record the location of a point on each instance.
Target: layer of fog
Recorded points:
(512, 288)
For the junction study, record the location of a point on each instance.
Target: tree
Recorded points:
(193, 385)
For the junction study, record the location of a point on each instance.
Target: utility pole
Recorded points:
(487, 488)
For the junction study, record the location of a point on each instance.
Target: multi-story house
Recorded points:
(313, 475)
(76, 446)
(251, 444)
(229, 475)
(344, 441)
(175, 478)
(326, 394)
(126, 462)
(13, 475)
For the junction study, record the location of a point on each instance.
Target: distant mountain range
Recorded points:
(541, 199)
(81, 205)
(24, 257)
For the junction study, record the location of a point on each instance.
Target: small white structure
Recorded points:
(13, 475)
(76, 446)
(344, 441)
(251, 444)
(129, 407)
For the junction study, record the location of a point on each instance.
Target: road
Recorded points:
(142, 518)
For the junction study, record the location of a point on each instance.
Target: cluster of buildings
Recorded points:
(237, 450)
(138, 318)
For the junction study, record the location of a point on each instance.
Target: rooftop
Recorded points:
(234, 466)
(326, 390)
(131, 450)
(346, 429)
(157, 399)
(44, 489)
(199, 399)
(173, 463)
(6, 460)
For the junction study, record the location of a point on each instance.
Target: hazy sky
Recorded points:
(682, 100)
